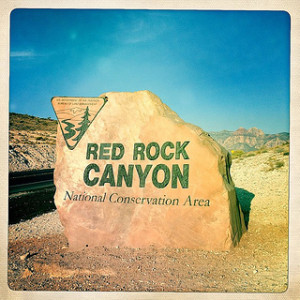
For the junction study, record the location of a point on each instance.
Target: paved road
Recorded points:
(26, 177)
(31, 193)
(28, 187)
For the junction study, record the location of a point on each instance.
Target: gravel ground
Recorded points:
(39, 259)
(38, 227)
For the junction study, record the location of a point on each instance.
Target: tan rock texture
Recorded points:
(130, 118)
(24, 157)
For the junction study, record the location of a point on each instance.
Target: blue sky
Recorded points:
(216, 69)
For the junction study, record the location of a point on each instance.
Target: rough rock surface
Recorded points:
(31, 150)
(31, 157)
(129, 118)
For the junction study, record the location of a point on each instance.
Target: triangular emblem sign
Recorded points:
(75, 115)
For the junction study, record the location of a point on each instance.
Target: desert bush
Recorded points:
(279, 150)
(250, 154)
(260, 151)
(274, 164)
(40, 138)
(237, 153)
(279, 164)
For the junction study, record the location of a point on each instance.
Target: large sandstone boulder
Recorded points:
(141, 176)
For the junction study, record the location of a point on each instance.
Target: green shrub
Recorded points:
(237, 153)
(279, 150)
(250, 154)
(274, 164)
(279, 164)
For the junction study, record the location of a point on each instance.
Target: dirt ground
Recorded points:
(39, 258)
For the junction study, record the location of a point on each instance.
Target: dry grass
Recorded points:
(273, 163)
(31, 123)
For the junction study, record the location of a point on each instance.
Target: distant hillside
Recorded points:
(249, 140)
(31, 123)
(31, 142)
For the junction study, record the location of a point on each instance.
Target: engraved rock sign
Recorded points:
(130, 172)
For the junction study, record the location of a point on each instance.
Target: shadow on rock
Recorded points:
(244, 197)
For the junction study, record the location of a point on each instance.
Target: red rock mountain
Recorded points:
(249, 140)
